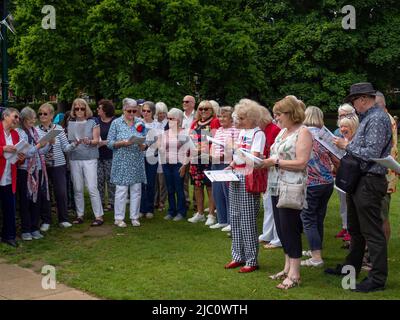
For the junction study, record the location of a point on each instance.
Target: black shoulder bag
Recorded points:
(348, 173)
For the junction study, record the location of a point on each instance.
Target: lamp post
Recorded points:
(4, 55)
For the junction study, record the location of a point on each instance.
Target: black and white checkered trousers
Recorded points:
(243, 210)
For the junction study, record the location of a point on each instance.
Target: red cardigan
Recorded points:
(15, 140)
(271, 131)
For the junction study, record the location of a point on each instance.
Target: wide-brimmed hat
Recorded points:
(360, 89)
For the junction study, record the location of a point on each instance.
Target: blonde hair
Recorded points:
(80, 101)
(249, 109)
(215, 106)
(202, 104)
(49, 106)
(265, 118)
(347, 109)
(352, 123)
(293, 107)
(314, 117)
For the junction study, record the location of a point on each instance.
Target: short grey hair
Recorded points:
(161, 107)
(176, 113)
(380, 99)
(9, 111)
(128, 102)
(152, 107)
(27, 113)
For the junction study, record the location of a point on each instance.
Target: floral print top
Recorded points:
(284, 149)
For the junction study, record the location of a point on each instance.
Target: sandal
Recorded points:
(78, 220)
(312, 263)
(97, 223)
(270, 246)
(286, 286)
(279, 276)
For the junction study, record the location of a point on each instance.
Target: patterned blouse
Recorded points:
(392, 177)
(284, 149)
(128, 162)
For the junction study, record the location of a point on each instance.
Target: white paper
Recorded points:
(221, 175)
(22, 147)
(252, 157)
(50, 135)
(76, 130)
(325, 137)
(137, 140)
(388, 162)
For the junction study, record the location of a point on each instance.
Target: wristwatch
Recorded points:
(277, 163)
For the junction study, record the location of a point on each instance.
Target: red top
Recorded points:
(15, 140)
(270, 131)
(214, 125)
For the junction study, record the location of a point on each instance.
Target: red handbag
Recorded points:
(256, 181)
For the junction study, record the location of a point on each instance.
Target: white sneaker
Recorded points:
(37, 235)
(120, 223)
(26, 236)
(44, 227)
(178, 217)
(135, 222)
(218, 225)
(149, 215)
(307, 253)
(197, 217)
(206, 209)
(168, 217)
(227, 228)
(211, 220)
(65, 224)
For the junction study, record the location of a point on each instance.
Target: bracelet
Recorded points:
(277, 163)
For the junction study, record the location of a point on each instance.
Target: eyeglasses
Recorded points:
(80, 109)
(42, 114)
(171, 119)
(354, 99)
(131, 111)
(204, 109)
(148, 111)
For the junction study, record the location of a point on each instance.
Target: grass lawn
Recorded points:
(179, 260)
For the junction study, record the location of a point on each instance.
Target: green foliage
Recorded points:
(223, 50)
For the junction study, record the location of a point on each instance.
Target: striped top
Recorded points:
(227, 136)
(55, 156)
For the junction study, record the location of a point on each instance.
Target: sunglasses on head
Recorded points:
(80, 109)
(42, 114)
(131, 111)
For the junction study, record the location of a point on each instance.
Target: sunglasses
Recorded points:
(80, 109)
(185, 101)
(204, 109)
(171, 119)
(42, 114)
(131, 111)
(148, 111)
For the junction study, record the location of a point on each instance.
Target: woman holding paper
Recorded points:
(83, 160)
(8, 174)
(56, 168)
(128, 169)
(244, 206)
(221, 156)
(288, 166)
(32, 179)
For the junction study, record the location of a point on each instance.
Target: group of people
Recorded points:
(149, 154)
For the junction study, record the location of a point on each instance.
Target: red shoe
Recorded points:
(341, 233)
(347, 237)
(233, 265)
(247, 269)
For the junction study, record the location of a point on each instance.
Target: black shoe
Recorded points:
(335, 271)
(367, 285)
(12, 243)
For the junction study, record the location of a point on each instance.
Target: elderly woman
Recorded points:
(32, 179)
(205, 124)
(56, 168)
(83, 160)
(269, 234)
(154, 128)
(319, 189)
(8, 174)
(244, 205)
(344, 111)
(172, 154)
(128, 168)
(288, 164)
(160, 187)
(105, 111)
(221, 156)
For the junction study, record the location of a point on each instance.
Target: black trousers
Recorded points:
(365, 227)
(288, 226)
(29, 210)
(7, 198)
(58, 179)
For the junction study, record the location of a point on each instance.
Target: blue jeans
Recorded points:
(174, 184)
(149, 190)
(313, 217)
(220, 192)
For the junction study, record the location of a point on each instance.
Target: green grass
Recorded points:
(179, 260)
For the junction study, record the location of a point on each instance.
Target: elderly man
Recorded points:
(391, 177)
(373, 139)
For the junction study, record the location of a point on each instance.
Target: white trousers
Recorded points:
(343, 208)
(84, 172)
(121, 195)
(269, 229)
